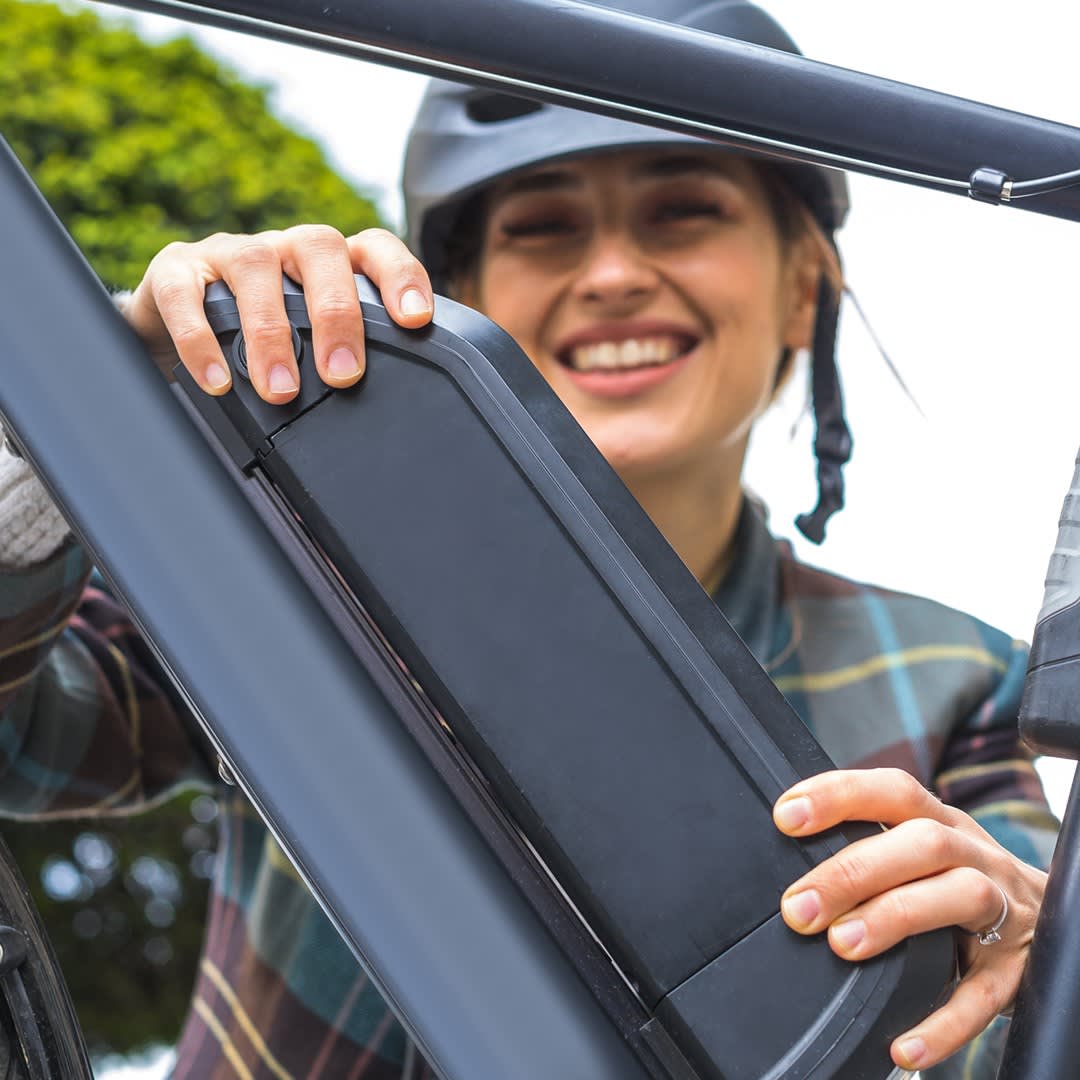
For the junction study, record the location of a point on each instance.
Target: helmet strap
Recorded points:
(832, 438)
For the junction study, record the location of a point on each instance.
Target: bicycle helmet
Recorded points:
(464, 138)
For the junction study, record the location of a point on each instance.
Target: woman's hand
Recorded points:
(934, 867)
(166, 309)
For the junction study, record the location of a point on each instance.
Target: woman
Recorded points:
(662, 286)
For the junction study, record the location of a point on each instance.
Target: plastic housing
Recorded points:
(615, 714)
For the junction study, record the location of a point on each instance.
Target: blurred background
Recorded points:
(141, 130)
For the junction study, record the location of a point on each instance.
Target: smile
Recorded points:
(631, 353)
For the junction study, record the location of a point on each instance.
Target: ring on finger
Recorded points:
(991, 935)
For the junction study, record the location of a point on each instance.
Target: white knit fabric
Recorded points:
(31, 528)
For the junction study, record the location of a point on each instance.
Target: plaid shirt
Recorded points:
(89, 724)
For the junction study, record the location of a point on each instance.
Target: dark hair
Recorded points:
(795, 221)
(465, 240)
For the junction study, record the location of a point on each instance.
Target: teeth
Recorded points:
(635, 352)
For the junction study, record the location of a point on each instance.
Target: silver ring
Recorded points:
(990, 935)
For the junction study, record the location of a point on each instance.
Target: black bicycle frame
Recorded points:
(739, 94)
(213, 590)
(465, 962)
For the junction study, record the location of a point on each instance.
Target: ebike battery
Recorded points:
(610, 711)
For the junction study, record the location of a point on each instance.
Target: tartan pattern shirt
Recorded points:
(88, 724)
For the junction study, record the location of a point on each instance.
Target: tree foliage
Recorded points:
(123, 901)
(136, 145)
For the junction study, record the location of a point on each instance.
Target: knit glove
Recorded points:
(31, 527)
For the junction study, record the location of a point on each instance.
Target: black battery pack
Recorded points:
(571, 665)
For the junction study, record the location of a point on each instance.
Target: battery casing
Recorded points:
(604, 701)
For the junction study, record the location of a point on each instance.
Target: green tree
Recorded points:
(136, 145)
(124, 901)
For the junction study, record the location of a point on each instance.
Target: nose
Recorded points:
(614, 270)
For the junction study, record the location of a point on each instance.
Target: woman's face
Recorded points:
(653, 292)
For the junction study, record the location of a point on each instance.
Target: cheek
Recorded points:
(739, 292)
(515, 299)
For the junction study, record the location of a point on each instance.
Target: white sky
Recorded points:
(975, 304)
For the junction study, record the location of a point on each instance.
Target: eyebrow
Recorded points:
(681, 164)
(548, 180)
(651, 169)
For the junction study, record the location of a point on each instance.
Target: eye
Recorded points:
(538, 227)
(675, 210)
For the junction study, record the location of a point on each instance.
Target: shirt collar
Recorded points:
(749, 594)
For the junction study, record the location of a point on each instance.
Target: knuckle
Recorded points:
(899, 914)
(254, 253)
(902, 778)
(265, 334)
(391, 253)
(406, 265)
(217, 242)
(933, 839)
(190, 252)
(852, 872)
(175, 249)
(317, 236)
(171, 292)
(903, 783)
(984, 892)
(189, 335)
(895, 775)
(376, 235)
(335, 307)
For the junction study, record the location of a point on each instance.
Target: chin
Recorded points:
(635, 460)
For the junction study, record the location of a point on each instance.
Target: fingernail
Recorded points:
(848, 934)
(802, 908)
(912, 1051)
(792, 813)
(216, 376)
(342, 364)
(281, 380)
(414, 302)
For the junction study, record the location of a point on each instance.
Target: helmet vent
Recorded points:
(496, 108)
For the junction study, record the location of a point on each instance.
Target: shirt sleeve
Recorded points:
(88, 720)
(989, 772)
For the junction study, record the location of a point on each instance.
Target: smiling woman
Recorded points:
(656, 284)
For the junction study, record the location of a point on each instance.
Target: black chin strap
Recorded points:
(832, 439)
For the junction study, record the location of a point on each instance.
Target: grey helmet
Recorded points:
(464, 138)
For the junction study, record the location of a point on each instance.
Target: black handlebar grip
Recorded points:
(1050, 708)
